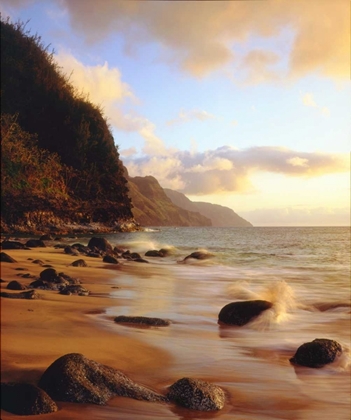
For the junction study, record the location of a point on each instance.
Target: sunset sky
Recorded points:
(240, 103)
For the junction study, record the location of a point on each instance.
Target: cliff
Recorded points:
(219, 215)
(152, 207)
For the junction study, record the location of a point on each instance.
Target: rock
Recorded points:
(13, 245)
(93, 254)
(199, 255)
(75, 378)
(6, 258)
(110, 259)
(35, 243)
(197, 394)
(317, 353)
(79, 263)
(100, 243)
(141, 260)
(70, 251)
(143, 320)
(31, 294)
(240, 313)
(74, 289)
(40, 262)
(49, 274)
(135, 256)
(15, 285)
(46, 237)
(154, 253)
(81, 248)
(25, 399)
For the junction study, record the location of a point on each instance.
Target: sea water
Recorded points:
(304, 272)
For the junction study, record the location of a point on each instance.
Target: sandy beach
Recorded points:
(34, 333)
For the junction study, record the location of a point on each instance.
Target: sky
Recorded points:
(245, 104)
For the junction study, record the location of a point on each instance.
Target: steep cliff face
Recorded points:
(219, 215)
(152, 207)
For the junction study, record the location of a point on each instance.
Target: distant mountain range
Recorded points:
(157, 206)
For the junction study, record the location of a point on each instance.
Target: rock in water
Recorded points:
(25, 399)
(240, 313)
(75, 378)
(317, 353)
(100, 243)
(142, 320)
(197, 394)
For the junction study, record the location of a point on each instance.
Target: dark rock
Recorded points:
(118, 250)
(199, 255)
(93, 254)
(100, 243)
(165, 252)
(6, 258)
(46, 237)
(13, 245)
(28, 276)
(142, 320)
(35, 243)
(40, 262)
(74, 378)
(49, 274)
(47, 266)
(240, 313)
(134, 256)
(154, 253)
(317, 353)
(110, 259)
(31, 294)
(81, 248)
(74, 289)
(70, 251)
(79, 263)
(197, 395)
(141, 260)
(15, 285)
(25, 399)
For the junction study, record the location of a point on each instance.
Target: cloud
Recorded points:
(201, 37)
(194, 114)
(227, 169)
(308, 100)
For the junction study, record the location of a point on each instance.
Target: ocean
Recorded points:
(303, 271)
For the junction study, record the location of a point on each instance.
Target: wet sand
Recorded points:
(250, 364)
(34, 333)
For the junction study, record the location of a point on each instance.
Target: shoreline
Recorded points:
(37, 332)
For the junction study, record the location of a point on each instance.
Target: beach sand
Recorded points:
(34, 333)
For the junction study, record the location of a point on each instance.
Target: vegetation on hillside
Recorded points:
(56, 145)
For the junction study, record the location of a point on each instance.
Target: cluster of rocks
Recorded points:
(75, 378)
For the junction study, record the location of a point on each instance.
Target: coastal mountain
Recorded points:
(219, 215)
(152, 207)
(59, 161)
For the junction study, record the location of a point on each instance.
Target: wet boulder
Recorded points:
(40, 262)
(49, 274)
(6, 258)
(240, 313)
(100, 243)
(197, 395)
(25, 399)
(13, 245)
(74, 289)
(317, 353)
(142, 320)
(110, 259)
(70, 250)
(154, 253)
(35, 243)
(75, 378)
(79, 263)
(15, 285)
(198, 255)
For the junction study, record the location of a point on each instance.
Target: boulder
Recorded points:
(35, 243)
(15, 285)
(197, 395)
(100, 243)
(74, 289)
(153, 253)
(13, 245)
(317, 353)
(110, 259)
(49, 274)
(25, 399)
(40, 262)
(46, 237)
(75, 378)
(198, 255)
(79, 263)
(6, 258)
(70, 250)
(240, 313)
(142, 320)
